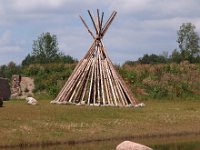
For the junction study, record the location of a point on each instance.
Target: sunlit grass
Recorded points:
(22, 123)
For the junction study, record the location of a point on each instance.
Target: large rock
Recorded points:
(128, 145)
(31, 101)
(1, 103)
(4, 89)
(22, 87)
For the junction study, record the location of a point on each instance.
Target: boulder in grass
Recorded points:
(4, 89)
(31, 101)
(139, 105)
(128, 145)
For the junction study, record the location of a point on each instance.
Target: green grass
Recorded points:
(21, 123)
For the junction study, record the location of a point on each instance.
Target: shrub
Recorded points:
(46, 76)
(163, 80)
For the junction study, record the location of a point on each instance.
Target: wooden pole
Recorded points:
(108, 23)
(99, 22)
(87, 27)
(87, 81)
(91, 82)
(93, 22)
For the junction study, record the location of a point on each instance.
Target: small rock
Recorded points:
(140, 105)
(53, 102)
(128, 145)
(31, 101)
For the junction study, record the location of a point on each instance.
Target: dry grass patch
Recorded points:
(22, 123)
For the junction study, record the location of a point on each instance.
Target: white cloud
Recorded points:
(141, 26)
(24, 5)
(7, 46)
(130, 6)
(10, 50)
(5, 38)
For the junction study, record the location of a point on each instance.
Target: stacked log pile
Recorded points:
(95, 80)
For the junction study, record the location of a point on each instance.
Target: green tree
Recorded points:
(28, 60)
(8, 70)
(3, 69)
(152, 59)
(67, 59)
(188, 41)
(176, 56)
(45, 51)
(45, 48)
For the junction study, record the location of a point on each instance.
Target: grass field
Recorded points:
(45, 123)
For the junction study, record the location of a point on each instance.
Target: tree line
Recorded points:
(44, 51)
(189, 49)
(50, 67)
(46, 64)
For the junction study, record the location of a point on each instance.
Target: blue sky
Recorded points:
(140, 27)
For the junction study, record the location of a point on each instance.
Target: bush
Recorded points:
(163, 80)
(46, 76)
(157, 91)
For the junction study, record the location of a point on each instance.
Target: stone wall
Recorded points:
(16, 88)
(22, 86)
(27, 86)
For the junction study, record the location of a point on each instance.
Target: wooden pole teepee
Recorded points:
(95, 80)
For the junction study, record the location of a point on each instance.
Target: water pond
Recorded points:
(167, 143)
(178, 146)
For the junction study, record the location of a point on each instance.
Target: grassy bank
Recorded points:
(21, 123)
(163, 80)
(147, 81)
